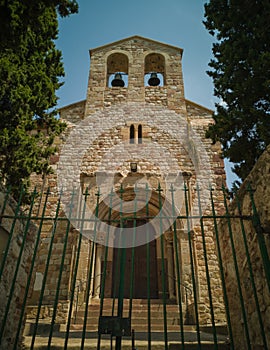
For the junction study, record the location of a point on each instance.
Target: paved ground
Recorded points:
(157, 342)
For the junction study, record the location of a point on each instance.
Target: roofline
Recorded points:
(198, 105)
(71, 104)
(84, 101)
(133, 37)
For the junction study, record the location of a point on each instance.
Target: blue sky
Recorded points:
(99, 22)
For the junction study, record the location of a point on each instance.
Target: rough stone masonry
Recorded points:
(157, 116)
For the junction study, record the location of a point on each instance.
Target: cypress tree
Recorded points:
(31, 70)
(240, 71)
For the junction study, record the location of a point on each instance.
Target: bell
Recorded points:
(153, 80)
(118, 81)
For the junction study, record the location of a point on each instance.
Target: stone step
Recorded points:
(134, 305)
(135, 313)
(139, 314)
(157, 341)
(134, 321)
(134, 301)
(141, 336)
(139, 322)
(90, 344)
(139, 327)
(137, 305)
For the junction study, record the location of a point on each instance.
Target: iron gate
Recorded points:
(132, 275)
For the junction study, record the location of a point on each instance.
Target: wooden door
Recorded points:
(140, 271)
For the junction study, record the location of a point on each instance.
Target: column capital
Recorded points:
(169, 236)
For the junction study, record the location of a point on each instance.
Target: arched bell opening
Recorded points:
(117, 70)
(154, 70)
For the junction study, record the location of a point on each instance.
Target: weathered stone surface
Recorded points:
(176, 125)
(175, 129)
(15, 274)
(257, 186)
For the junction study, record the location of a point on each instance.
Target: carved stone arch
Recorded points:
(112, 212)
(117, 62)
(142, 219)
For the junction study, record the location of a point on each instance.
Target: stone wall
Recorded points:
(73, 113)
(16, 271)
(259, 180)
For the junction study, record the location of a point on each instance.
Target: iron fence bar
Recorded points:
(85, 195)
(237, 272)
(261, 241)
(131, 289)
(31, 272)
(192, 266)
(10, 236)
(149, 333)
(116, 280)
(90, 272)
(60, 272)
(78, 220)
(133, 253)
(251, 275)
(104, 267)
(117, 277)
(11, 291)
(222, 275)
(179, 294)
(118, 340)
(45, 273)
(159, 190)
(207, 272)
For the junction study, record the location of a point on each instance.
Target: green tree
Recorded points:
(241, 76)
(30, 71)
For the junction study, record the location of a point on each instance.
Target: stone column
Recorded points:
(195, 262)
(92, 282)
(177, 247)
(135, 133)
(97, 278)
(171, 278)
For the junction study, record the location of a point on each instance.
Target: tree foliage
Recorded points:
(241, 76)
(30, 73)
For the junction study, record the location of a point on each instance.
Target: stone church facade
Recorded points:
(130, 132)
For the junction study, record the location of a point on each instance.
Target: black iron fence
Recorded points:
(138, 270)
